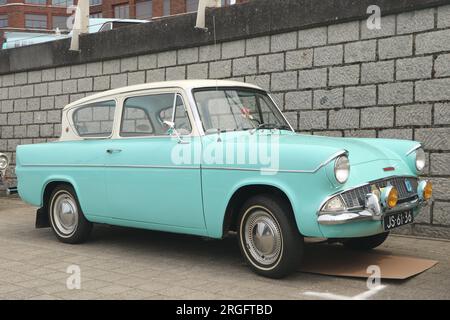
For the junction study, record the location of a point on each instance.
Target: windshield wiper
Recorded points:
(271, 126)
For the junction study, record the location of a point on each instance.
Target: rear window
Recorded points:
(95, 120)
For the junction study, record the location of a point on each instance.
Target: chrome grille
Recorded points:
(356, 197)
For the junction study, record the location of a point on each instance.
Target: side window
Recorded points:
(268, 114)
(145, 115)
(135, 122)
(94, 120)
(166, 114)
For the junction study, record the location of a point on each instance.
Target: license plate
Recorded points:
(399, 219)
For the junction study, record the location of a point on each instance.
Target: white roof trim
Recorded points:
(184, 84)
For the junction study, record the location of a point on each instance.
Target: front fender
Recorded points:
(305, 192)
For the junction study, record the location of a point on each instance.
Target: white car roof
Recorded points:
(183, 84)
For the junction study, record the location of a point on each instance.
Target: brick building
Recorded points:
(33, 15)
(47, 15)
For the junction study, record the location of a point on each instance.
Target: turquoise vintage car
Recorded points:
(207, 158)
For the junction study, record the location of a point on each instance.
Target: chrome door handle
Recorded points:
(110, 151)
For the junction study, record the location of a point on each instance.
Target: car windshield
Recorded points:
(232, 109)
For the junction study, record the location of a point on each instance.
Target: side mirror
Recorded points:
(173, 131)
(4, 162)
(170, 125)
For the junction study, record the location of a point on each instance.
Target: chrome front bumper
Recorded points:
(12, 190)
(365, 214)
(9, 190)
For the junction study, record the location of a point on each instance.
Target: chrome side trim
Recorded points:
(189, 167)
(254, 169)
(331, 158)
(337, 154)
(62, 165)
(164, 167)
(111, 166)
(413, 149)
(151, 166)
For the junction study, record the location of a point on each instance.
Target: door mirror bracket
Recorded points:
(174, 132)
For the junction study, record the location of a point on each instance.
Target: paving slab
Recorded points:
(123, 263)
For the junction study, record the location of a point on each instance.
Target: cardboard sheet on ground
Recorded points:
(338, 261)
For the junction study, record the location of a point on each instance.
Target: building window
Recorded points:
(166, 8)
(95, 2)
(2, 2)
(3, 21)
(122, 11)
(35, 21)
(144, 10)
(62, 3)
(60, 22)
(191, 5)
(43, 2)
(228, 2)
(97, 15)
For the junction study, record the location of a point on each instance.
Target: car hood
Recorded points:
(361, 150)
(308, 152)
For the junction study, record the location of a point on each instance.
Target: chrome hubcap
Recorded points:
(263, 237)
(65, 213)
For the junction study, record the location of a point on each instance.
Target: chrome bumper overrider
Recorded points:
(365, 214)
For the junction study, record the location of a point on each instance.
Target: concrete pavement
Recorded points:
(121, 263)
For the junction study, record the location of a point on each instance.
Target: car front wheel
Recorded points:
(366, 243)
(268, 237)
(66, 218)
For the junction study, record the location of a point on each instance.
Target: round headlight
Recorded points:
(3, 162)
(420, 159)
(342, 169)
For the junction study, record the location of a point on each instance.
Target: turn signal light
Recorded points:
(392, 198)
(428, 191)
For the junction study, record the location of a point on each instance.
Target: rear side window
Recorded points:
(95, 120)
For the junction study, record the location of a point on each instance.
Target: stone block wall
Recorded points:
(337, 79)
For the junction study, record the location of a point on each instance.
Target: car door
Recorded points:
(145, 182)
(83, 161)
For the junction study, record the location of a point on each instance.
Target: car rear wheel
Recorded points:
(268, 237)
(366, 243)
(66, 217)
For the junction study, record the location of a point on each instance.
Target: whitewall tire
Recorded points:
(66, 217)
(268, 237)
